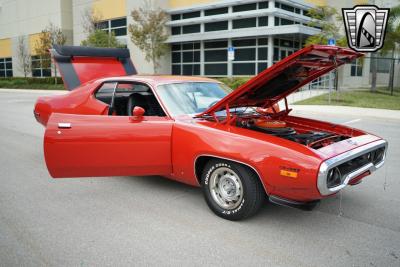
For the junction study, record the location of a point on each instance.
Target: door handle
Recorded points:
(64, 125)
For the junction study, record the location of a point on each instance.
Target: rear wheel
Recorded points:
(232, 191)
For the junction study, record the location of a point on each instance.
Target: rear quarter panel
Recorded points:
(80, 101)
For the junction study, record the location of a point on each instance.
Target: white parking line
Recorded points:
(352, 121)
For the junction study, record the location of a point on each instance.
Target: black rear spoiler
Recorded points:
(79, 64)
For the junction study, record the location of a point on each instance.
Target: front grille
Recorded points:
(374, 157)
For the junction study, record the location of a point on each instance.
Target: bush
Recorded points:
(31, 83)
(234, 82)
(32, 80)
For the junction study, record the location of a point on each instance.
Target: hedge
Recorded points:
(32, 80)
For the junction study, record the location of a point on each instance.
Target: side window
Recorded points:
(129, 94)
(104, 94)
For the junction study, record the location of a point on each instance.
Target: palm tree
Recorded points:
(392, 39)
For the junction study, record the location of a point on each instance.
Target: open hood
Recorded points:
(285, 77)
(79, 64)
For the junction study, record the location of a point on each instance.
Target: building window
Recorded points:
(216, 26)
(288, 8)
(176, 30)
(216, 58)
(185, 59)
(251, 56)
(244, 23)
(262, 21)
(245, 7)
(216, 11)
(191, 28)
(6, 67)
(41, 66)
(284, 48)
(281, 21)
(356, 68)
(175, 16)
(117, 26)
(191, 15)
(263, 5)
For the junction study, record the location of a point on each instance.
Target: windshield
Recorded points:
(191, 97)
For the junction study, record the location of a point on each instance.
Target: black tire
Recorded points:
(253, 194)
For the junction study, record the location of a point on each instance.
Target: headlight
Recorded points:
(334, 178)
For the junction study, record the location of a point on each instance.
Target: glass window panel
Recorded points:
(46, 72)
(297, 10)
(263, 5)
(263, 41)
(262, 66)
(216, 26)
(191, 46)
(175, 30)
(191, 56)
(9, 73)
(286, 43)
(2, 73)
(244, 42)
(191, 69)
(175, 47)
(215, 69)
(215, 55)
(191, 28)
(216, 11)
(176, 57)
(263, 53)
(245, 54)
(8, 59)
(218, 44)
(277, 21)
(118, 23)
(276, 54)
(244, 68)
(36, 73)
(8, 65)
(244, 23)
(2, 60)
(262, 21)
(191, 15)
(287, 8)
(245, 7)
(286, 22)
(277, 4)
(120, 32)
(176, 69)
(175, 16)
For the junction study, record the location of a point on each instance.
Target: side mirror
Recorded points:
(138, 112)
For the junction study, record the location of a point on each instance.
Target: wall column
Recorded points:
(270, 50)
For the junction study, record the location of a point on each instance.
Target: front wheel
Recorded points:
(232, 191)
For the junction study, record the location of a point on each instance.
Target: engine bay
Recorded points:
(312, 138)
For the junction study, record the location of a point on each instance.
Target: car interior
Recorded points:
(127, 96)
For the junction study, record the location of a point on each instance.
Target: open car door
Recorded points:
(92, 145)
(79, 64)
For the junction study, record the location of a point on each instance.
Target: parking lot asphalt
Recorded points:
(124, 221)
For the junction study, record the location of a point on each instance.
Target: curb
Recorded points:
(353, 111)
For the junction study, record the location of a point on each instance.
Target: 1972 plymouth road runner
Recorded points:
(239, 146)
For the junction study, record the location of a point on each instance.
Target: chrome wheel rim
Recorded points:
(226, 188)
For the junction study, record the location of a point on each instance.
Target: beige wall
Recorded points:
(5, 48)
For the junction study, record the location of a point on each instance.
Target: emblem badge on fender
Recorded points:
(365, 27)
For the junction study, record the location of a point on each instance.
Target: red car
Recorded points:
(238, 146)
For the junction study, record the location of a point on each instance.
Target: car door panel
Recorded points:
(91, 145)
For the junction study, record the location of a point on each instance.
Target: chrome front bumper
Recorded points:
(345, 157)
